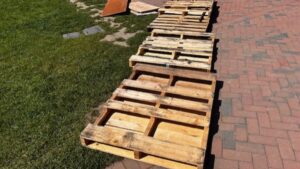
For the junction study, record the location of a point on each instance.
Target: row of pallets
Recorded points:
(161, 113)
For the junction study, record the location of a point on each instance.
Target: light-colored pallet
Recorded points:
(190, 52)
(191, 16)
(159, 116)
(192, 5)
(179, 22)
(193, 23)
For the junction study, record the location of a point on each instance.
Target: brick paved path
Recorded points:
(258, 61)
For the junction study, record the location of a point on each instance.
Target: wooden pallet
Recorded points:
(159, 115)
(183, 52)
(189, 5)
(183, 16)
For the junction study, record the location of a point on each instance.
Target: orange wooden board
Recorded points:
(113, 7)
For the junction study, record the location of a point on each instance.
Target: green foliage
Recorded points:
(48, 84)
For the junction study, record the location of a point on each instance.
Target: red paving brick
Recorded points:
(245, 165)
(286, 149)
(258, 62)
(225, 164)
(260, 39)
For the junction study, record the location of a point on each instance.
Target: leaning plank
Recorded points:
(113, 7)
(138, 142)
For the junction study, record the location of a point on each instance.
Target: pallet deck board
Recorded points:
(139, 142)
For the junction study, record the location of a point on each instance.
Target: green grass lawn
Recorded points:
(48, 84)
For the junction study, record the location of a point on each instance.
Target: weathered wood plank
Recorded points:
(147, 158)
(193, 74)
(166, 114)
(183, 91)
(145, 144)
(170, 101)
(162, 61)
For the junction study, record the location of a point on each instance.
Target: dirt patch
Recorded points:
(79, 5)
(93, 114)
(120, 37)
(110, 20)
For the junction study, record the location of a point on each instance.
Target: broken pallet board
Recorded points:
(159, 115)
(190, 52)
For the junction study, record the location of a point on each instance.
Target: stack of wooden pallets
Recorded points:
(161, 113)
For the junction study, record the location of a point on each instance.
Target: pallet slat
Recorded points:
(166, 33)
(143, 143)
(176, 52)
(147, 159)
(166, 114)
